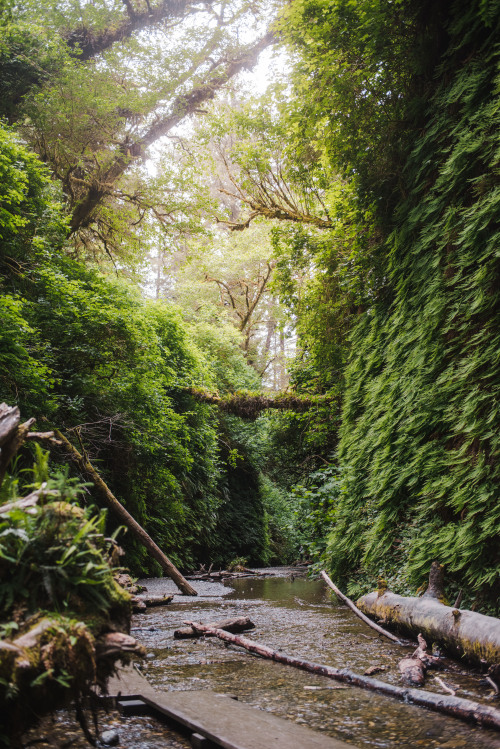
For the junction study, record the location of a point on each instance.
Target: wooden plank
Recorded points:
(129, 682)
(226, 722)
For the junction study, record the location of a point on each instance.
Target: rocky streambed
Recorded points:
(297, 616)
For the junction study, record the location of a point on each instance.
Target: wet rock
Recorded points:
(110, 738)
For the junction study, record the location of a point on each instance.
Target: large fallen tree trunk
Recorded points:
(468, 710)
(460, 632)
(111, 502)
(250, 405)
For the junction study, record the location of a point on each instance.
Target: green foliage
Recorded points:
(55, 556)
(420, 428)
(220, 344)
(88, 354)
(351, 75)
(31, 224)
(241, 528)
(29, 56)
(314, 505)
(284, 536)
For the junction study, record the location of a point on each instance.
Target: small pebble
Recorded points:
(110, 738)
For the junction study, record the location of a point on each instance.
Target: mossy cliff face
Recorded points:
(420, 434)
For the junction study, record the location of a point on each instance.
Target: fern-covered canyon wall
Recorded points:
(419, 438)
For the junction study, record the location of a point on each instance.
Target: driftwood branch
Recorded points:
(239, 624)
(141, 603)
(467, 710)
(356, 611)
(43, 437)
(414, 667)
(444, 686)
(111, 502)
(26, 503)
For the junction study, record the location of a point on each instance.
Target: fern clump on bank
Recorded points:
(58, 597)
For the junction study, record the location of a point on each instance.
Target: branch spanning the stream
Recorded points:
(356, 611)
(251, 405)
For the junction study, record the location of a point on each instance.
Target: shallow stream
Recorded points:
(298, 616)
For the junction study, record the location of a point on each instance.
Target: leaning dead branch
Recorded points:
(356, 611)
(111, 502)
(457, 707)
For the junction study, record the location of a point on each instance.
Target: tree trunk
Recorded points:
(460, 632)
(467, 710)
(111, 502)
(240, 624)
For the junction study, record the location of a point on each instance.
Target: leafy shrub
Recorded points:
(55, 555)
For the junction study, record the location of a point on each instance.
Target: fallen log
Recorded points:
(239, 624)
(249, 405)
(467, 710)
(356, 611)
(141, 603)
(111, 502)
(226, 575)
(461, 633)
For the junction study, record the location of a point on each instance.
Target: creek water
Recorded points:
(298, 616)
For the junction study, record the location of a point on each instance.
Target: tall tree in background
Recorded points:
(112, 82)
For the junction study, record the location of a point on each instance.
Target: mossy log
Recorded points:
(55, 660)
(461, 633)
(251, 405)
